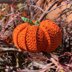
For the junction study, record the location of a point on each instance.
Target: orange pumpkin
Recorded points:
(45, 37)
(16, 32)
(54, 32)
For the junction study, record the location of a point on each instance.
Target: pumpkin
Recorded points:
(17, 30)
(31, 41)
(33, 38)
(54, 32)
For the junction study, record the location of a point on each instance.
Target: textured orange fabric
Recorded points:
(46, 40)
(16, 32)
(31, 41)
(45, 37)
(22, 39)
(40, 35)
(54, 32)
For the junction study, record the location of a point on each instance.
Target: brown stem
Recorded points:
(45, 12)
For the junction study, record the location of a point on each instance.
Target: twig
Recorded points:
(11, 20)
(27, 70)
(45, 12)
(55, 8)
(12, 9)
(59, 67)
(46, 68)
(37, 7)
(8, 49)
(2, 20)
(64, 12)
(31, 13)
(36, 64)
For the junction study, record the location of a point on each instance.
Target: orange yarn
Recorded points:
(46, 37)
(54, 32)
(40, 35)
(46, 40)
(16, 31)
(21, 39)
(31, 41)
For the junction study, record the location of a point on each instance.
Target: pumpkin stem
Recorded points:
(30, 21)
(27, 20)
(37, 22)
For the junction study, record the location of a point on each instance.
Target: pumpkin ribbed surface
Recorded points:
(16, 31)
(21, 39)
(31, 41)
(40, 35)
(46, 40)
(54, 32)
(33, 38)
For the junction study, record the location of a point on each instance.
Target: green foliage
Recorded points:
(27, 20)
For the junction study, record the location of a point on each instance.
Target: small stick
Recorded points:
(37, 7)
(45, 12)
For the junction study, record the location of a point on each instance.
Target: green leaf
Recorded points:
(27, 20)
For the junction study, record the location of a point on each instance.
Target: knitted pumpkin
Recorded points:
(54, 32)
(25, 37)
(16, 32)
(45, 37)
